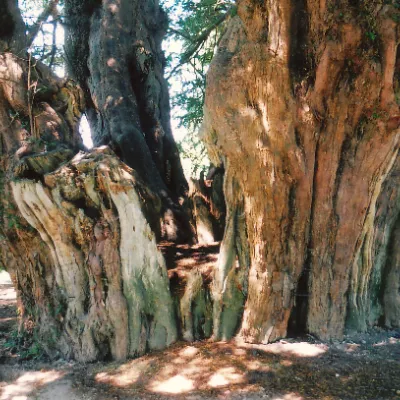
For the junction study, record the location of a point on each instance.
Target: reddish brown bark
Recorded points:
(301, 111)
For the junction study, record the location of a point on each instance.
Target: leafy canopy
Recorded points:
(197, 25)
(45, 19)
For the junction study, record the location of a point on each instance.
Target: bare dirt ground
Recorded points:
(365, 367)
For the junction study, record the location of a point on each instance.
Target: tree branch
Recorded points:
(35, 28)
(204, 36)
(197, 42)
(180, 33)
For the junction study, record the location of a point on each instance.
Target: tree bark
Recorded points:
(107, 267)
(114, 51)
(78, 231)
(39, 115)
(208, 206)
(301, 111)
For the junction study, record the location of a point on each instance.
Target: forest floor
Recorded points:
(362, 367)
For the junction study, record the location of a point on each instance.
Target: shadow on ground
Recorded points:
(283, 370)
(366, 368)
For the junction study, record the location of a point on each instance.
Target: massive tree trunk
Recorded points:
(78, 230)
(301, 109)
(114, 51)
(112, 279)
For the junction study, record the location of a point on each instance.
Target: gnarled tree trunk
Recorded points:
(114, 51)
(78, 230)
(301, 111)
(109, 273)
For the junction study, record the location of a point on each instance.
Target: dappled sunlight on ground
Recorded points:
(204, 367)
(225, 377)
(7, 292)
(289, 396)
(126, 375)
(27, 383)
(5, 278)
(299, 349)
(175, 385)
(391, 340)
(365, 369)
(286, 370)
(184, 370)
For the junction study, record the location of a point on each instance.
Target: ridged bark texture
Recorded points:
(301, 111)
(114, 51)
(110, 274)
(77, 230)
(39, 116)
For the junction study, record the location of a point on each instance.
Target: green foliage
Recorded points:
(47, 141)
(31, 8)
(371, 35)
(47, 46)
(193, 154)
(26, 345)
(197, 26)
(23, 119)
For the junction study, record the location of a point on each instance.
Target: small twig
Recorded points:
(180, 33)
(31, 95)
(54, 45)
(35, 28)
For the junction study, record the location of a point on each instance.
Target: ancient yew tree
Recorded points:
(301, 117)
(113, 50)
(302, 111)
(79, 229)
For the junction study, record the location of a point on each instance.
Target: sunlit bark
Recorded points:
(301, 110)
(78, 230)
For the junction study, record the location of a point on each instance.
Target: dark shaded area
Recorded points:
(300, 57)
(190, 273)
(182, 259)
(7, 23)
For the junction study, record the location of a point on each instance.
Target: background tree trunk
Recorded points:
(114, 51)
(301, 111)
(208, 206)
